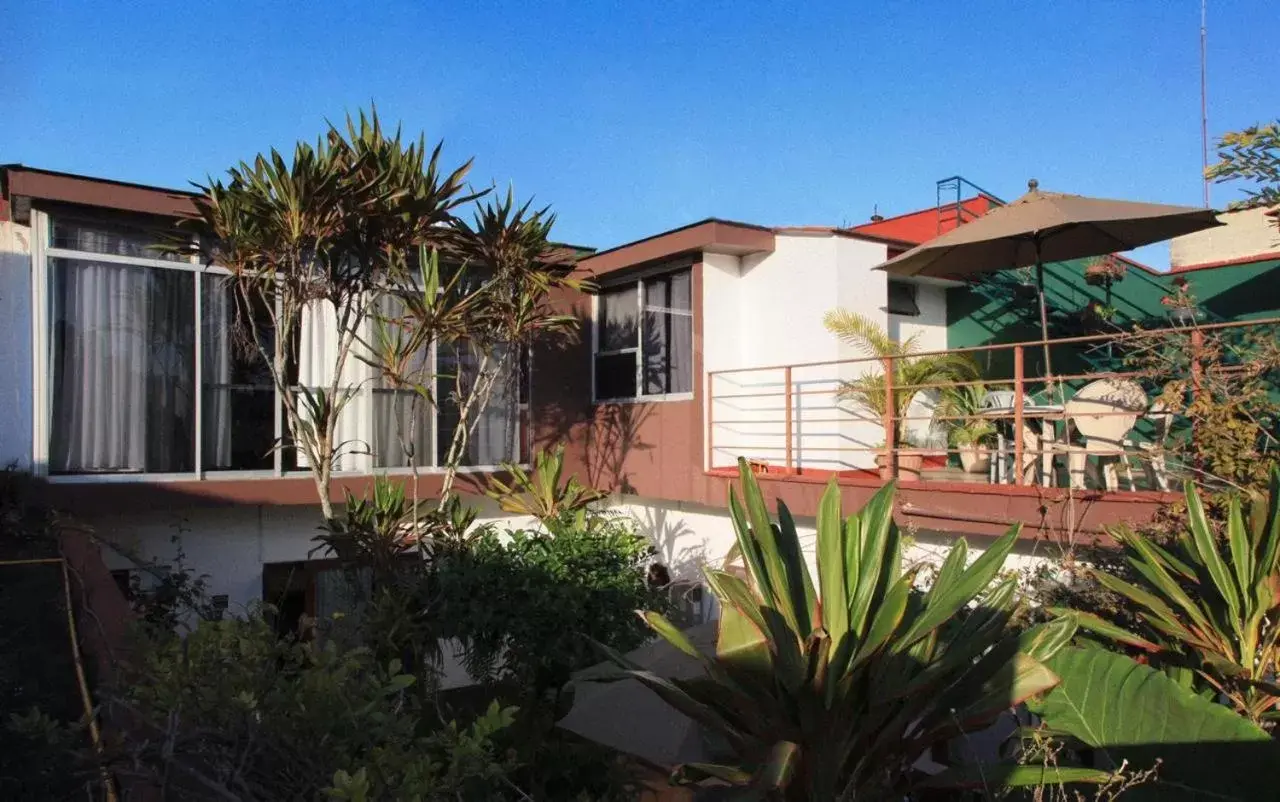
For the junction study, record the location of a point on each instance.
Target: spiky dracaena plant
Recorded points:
(318, 236)
(834, 691)
(1211, 614)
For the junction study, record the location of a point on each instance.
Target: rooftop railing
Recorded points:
(1111, 415)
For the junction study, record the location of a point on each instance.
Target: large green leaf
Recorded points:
(1133, 712)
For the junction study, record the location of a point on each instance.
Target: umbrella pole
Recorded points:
(1044, 316)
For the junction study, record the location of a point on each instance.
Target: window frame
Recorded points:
(42, 251)
(638, 281)
(912, 288)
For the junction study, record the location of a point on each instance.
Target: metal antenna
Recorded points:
(1204, 107)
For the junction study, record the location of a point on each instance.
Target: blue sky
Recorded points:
(631, 118)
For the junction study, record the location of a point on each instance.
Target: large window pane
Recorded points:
(239, 395)
(123, 356)
(668, 353)
(106, 237)
(619, 318)
(495, 427)
(401, 416)
(668, 334)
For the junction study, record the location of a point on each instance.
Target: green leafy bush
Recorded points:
(527, 605)
(233, 712)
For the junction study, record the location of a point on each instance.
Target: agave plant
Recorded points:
(1212, 616)
(833, 690)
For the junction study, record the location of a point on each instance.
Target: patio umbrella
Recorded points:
(629, 717)
(1047, 226)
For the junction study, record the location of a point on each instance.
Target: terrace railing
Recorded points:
(866, 415)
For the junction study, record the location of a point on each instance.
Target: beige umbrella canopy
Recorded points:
(627, 716)
(1047, 226)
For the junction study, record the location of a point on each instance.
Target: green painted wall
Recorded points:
(1002, 309)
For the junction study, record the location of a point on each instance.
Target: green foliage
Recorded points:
(1206, 606)
(912, 373)
(1251, 156)
(540, 494)
(231, 711)
(527, 606)
(1133, 713)
(40, 707)
(960, 406)
(833, 690)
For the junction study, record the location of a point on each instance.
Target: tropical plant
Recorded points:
(332, 234)
(912, 372)
(233, 712)
(525, 606)
(317, 236)
(1210, 617)
(833, 690)
(960, 407)
(540, 494)
(1252, 156)
(1133, 715)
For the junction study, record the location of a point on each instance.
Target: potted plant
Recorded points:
(1181, 303)
(969, 434)
(1096, 316)
(913, 372)
(1104, 271)
(910, 460)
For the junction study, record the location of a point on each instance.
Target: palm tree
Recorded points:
(913, 371)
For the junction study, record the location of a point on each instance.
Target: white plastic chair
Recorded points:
(1102, 413)
(1152, 451)
(1000, 473)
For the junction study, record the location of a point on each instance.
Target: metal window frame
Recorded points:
(641, 307)
(42, 379)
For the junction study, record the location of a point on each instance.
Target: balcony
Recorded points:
(996, 437)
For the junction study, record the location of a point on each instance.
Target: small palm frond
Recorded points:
(866, 335)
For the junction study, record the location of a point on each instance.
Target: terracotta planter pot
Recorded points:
(909, 465)
(975, 458)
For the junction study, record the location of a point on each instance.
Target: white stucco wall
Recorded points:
(781, 300)
(229, 544)
(1245, 233)
(688, 536)
(15, 345)
(930, 330)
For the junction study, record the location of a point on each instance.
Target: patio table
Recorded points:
(1047, 414)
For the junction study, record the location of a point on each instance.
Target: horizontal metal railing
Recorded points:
(796, 417)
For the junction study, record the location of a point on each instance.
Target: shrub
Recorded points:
(231, 711)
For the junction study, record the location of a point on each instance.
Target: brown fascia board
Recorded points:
(711, 236)
(47, 185)
(83, 190)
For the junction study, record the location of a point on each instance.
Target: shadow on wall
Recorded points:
(604, 436)
(677, 544)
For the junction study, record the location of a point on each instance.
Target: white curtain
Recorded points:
(496, 425)
(123, 364)
(216, 335)
(399, 410)
(317, 356)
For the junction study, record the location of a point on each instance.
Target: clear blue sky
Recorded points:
(631, 118)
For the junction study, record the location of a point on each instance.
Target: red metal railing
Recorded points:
(820, 427)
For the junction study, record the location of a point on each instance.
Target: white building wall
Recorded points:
(930, 330)
(782, 299)
(228, 544)
(1246, 233)
(687, 536)
(15, 345)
